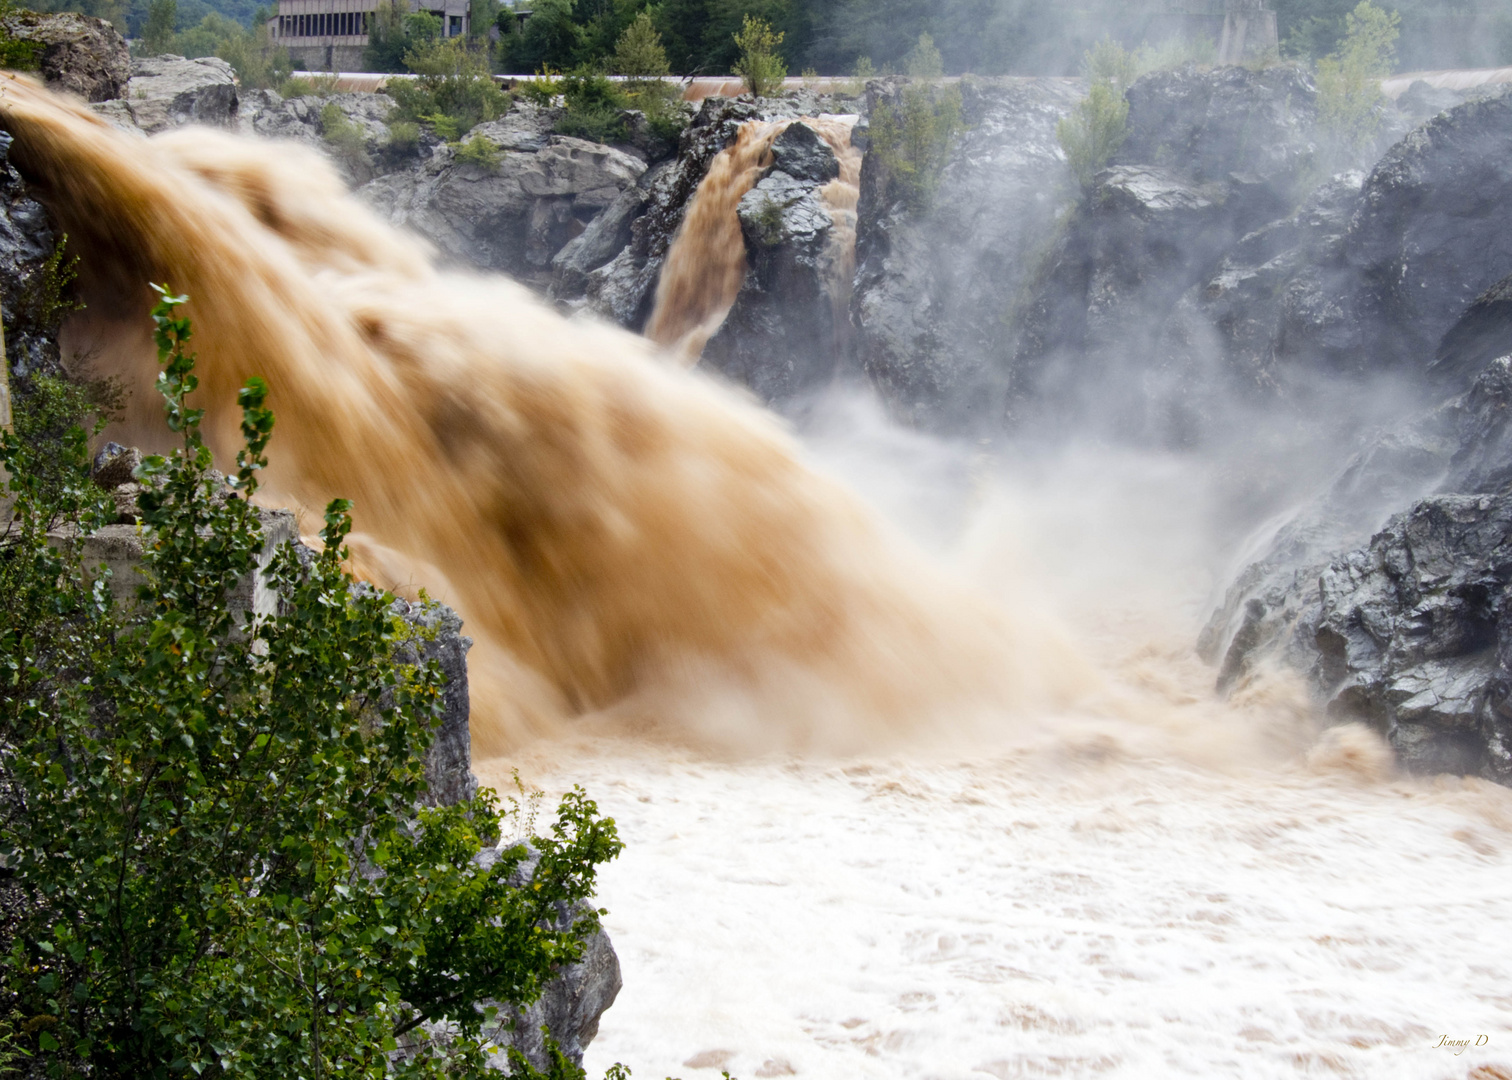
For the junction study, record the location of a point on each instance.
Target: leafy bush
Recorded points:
(544, 89)
(1349, 81)
(913, 137)
(1094, 131)
(595, 107)
(212, 818)
(158, 35)
(404, 136)
(550, 37)
(308, 86)
(480, 152)
(346, 139)
(759, 66)
(453, 91)
(638, 54)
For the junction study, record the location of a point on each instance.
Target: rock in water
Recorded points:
(1406, 625)
(81, 55)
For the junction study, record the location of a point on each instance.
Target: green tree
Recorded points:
(1349, 81)
(1094, 131)
(639, 54)
(454, 89)
(912, 136)
(924, 61)
(214, 820)
(387, 41)
(759, 66)
(158, 36)
(551, 39)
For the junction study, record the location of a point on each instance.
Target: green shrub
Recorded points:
(453, 91)
(347, 140)
(595, 107)
(213, 820)
(1094, 131)
(543, 90)
(913, 137)
(638, 54)
(862, 73)
(480, 152)
(158, 35)
(16, 54)
(308, 86)
(923, 60)
(1349, 81)
(759, 66)
(404, 136)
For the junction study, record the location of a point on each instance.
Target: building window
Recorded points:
(456, 26)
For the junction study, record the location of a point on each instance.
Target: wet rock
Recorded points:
(936, 287)
(803, 155)
(169, 91)
(1210, 125)
(783, 334)
(1432, 233)
(27, 240)
(1210, 158)
(114, 464)
(1483, 333)
(436, 634)
(1404, 623)
(81, 55)
(517, 216)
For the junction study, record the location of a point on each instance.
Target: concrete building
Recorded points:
(330, 35)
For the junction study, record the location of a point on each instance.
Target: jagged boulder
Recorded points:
(936, 286)
(514, 217)
(436, 635)
(27, 241)
(1432, 232)
(1403, 622)
(1210, 157)
(784, 332)
(81, 55)
(1482, 333)
(352, 129)
(169, 91)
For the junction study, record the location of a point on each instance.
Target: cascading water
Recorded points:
(618, 534)
(1050, 851)
(706, 263)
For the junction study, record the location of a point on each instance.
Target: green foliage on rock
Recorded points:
(759, 66)
(912, 136)
(346, 139)
(481, 153)
(454, 89)
(213, 820)
(595, 107)
(1349, 81)
(1094, 131)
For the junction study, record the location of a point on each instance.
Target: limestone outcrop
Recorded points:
(170, 91)
(514, 217)
(80, 54)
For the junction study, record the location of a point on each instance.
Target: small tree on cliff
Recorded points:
(759, 66)
(1349, 81)
(211, 821)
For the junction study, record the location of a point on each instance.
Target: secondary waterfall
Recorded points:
(706, 263)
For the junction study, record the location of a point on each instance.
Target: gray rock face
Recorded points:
(27, 239)
(1410, 628)
(1482, 333)
(302, 119)
(1210, 157)
(81, 55)
(169, 91)
(437, 635)
(935, 288)
(785, 331)
(1432, 232)
(572, 1003)
(517, 217)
